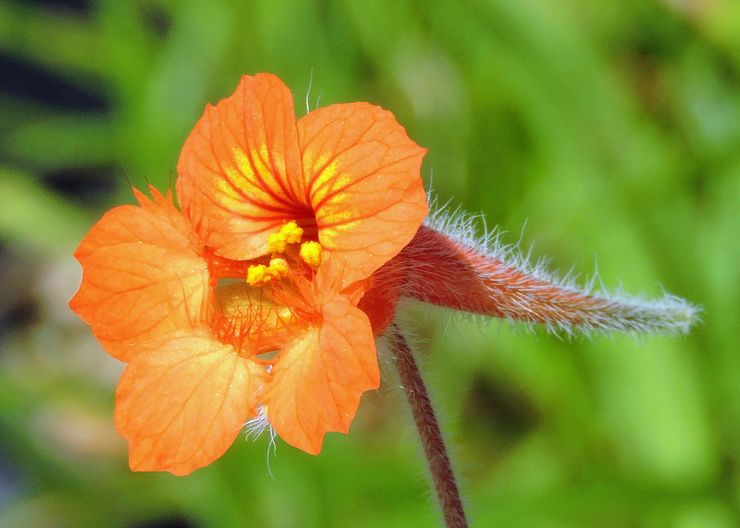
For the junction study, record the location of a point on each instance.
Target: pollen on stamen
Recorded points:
(258, 275)
(290, 233)
(311, 253)
(278, 267)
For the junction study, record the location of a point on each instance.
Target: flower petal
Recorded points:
(362, 178)
(319, 379)
(181, 406)
(143, 276)
(240, 168)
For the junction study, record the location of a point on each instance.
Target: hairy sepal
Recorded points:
(448, 264)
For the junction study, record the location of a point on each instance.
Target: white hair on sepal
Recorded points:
(464, 228)
(552, 300)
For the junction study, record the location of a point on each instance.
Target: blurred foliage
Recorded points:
(609, 128)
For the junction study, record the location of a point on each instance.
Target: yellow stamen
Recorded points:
(293, 233)
(311, 253)
(258, 275)
(290, 233)
(278, 267)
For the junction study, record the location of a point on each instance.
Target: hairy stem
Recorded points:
(431, 437)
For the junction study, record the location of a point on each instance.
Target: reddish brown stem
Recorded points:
(431, 437)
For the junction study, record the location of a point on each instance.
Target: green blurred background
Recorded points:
(611, 128)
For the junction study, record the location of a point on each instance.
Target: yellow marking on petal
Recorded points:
(224, 186)
(244, 166)
(253, 165)
(311, 253)
(277, 160)
(340, 221)
(320, 186)
(258, 160)
(242, 175)
(327, 236)
(341, 181)
(290, 233)
(336, 217)
(242, 163)
(349, 226)
(319, 160)
(327, 174)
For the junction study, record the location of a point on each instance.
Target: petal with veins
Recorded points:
(240, 168)
(181, 406)
(127, 293)
(319, 379)
(362, 179)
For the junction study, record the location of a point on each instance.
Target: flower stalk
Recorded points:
(435, 450)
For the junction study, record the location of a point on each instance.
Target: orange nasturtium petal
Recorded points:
(318, 380)
(240, 168)
(181, 406)
(362, 176)
(127, 293)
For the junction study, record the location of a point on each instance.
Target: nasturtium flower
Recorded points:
(259, 299)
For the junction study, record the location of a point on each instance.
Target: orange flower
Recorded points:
(262, 297)
(305, 212)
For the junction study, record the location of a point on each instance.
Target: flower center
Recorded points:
(250, 320)
(281, 246)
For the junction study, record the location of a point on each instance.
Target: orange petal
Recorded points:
(363, 182)
(142, 276)
(240, 168)
(180, 407)
(318, 380)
